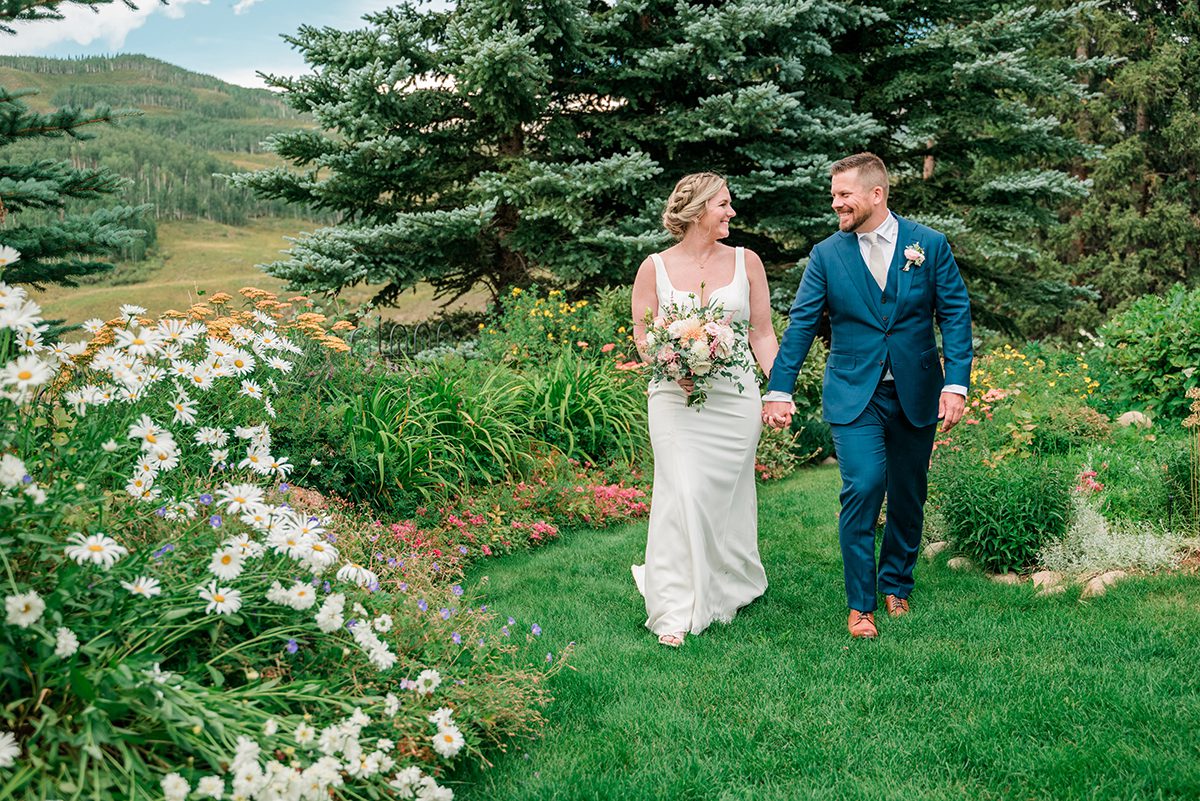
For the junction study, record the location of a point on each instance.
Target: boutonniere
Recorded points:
(914, 254)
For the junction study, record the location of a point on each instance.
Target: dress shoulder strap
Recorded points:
(739, 265)
(660, 273)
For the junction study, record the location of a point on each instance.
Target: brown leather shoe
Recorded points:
(896, 607)
(862, 624)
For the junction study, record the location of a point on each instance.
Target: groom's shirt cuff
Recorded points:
(785, 397)
(957, 389)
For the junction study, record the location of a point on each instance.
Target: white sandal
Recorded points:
(672, 640)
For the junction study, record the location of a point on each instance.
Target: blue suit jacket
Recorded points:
(870, 327)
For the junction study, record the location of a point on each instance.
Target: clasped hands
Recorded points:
(778, 414)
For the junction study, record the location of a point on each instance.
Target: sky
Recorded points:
(231, 39)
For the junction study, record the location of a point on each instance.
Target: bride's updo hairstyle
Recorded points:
(688, 200)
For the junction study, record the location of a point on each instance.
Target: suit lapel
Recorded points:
(904, 238)
(858, 274)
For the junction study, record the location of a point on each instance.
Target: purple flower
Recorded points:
(536, 629)
(480, 642)
(205, 499)
(161, 511)
(373, 586)
(331, 537)
(462, 549)
(378, 557)
(457, 638)
(445, 613)
(284, 488)
(351, 622)
(26, 479)
(215, 521)
(549, 657)
(166, 549)
(512, 622)
(483, 608)
(457, 589)
(435, 567)
(391, 561)
(504, 630)
(327, 588)
(292, 646)
(404, 586)
(424, 607)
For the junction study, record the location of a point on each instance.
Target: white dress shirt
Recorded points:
(887, 231)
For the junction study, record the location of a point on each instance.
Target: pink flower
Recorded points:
(914, 255)
(607, 348)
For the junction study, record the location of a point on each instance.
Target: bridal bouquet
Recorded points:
(696, 343)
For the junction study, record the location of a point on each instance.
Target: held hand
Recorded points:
(688, 385)
(950, 409)
(778, 414)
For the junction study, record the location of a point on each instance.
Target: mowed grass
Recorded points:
(984, 692)
(197, 256)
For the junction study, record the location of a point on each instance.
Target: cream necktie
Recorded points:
(875, 260)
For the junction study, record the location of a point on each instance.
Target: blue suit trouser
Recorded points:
(881, 452)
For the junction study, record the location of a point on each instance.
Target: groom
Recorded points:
(885, 281)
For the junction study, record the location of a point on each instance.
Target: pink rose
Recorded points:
(914, 255)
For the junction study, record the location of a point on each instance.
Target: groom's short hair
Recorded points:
(870, 168)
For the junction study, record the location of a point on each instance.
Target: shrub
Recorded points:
(1149, 354)
(531, 328)
(175, 613)
(1093, 544)
(1000, 516)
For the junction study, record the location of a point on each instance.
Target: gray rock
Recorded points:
(932, 549)
(1134, 419)
(829, 460)
(960, 563)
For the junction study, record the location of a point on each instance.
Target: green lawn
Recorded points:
(983, 692)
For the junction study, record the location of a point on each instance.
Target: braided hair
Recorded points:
(688, 200)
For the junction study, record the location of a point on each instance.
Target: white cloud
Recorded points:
(248, 76)
(242, 6)
(110, 25)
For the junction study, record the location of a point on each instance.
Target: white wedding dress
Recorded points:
(702, 561)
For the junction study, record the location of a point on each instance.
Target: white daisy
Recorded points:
(139, 341)
(301, 596)
(226, 564)
(98, 549)
(26, 372)
(12, 471)
(9, 749)
(304, 734)
(210, 787)
(109, 446)
(251, 389)
(143, 585)
(428, 681)
(211, 436)
(222, 600)
(93, 326)
(263, 318)
(383, 623)
(24, 610)
(219, 456)
(175, 787)
(239, 497)
(129, 311)
(360, 575)
(240, 362)
(65, 642)
(185, 410)
(448, 741)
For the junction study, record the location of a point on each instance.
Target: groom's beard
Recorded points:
(855, 222)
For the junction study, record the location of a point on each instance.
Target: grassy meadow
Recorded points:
(195, 258)
(985, 692)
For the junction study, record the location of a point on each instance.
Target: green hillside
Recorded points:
(191, 127)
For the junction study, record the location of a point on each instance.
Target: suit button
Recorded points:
(888, 334)
(881, 362)
(885, 318)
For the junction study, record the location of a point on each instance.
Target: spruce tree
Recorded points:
(1139, 230)
(501, 141)
(55, 243)
(961, 88)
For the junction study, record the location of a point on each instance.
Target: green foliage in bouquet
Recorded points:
(177, 617)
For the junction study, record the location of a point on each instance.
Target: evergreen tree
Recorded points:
(503, 140)
(55, 249)
(1139, 230)
(960, 87)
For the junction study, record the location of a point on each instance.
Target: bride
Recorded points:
(702, 560)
